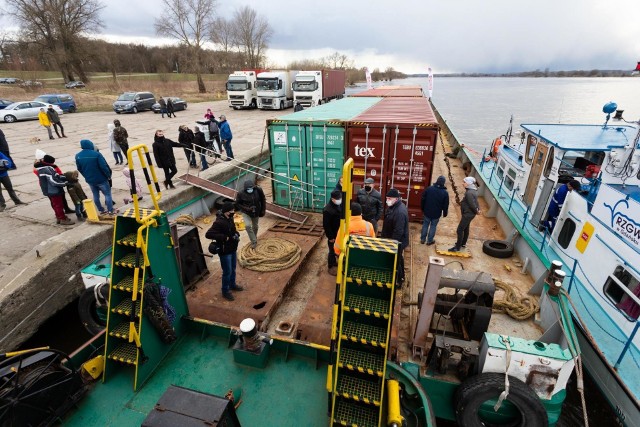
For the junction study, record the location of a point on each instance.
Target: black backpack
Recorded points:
(213, 127)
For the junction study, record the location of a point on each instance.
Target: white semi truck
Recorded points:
(274, 90)
(313, 88)
(241, 89)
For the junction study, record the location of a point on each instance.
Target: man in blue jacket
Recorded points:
(6, 164)
(434, 204)
(226, 136)
(95, 170)
(557, 201)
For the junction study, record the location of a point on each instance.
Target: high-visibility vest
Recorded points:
(357, 226)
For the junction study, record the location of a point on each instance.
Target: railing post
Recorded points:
(626, 346)
(526, 214)
(482, 162)
(500, 187)
(513, 195)
(493, 169)
(573, 274)
(544, 237)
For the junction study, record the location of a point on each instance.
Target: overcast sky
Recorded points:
(449, 36)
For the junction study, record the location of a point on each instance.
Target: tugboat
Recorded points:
(571, 193)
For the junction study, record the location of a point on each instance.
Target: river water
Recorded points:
(478, 110)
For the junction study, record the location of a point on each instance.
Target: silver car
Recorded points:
(27, 110)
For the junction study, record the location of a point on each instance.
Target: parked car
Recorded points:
(31, 84)
(132, 102)
(179, 104)
(62, 100)
(4, 103)
(25, 110)
(73, 84)
(10, 80)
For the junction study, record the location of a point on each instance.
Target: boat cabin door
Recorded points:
(535, 155)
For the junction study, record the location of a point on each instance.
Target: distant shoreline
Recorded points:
(538, 73)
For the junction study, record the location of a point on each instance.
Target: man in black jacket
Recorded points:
(163, 153)
(331, 224)
(252, 204)
(469, 208)
(223, 232)
(396, 227)
(434, 204)
(371, 201)
(200, 145)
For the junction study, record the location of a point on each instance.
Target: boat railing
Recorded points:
(544, 246)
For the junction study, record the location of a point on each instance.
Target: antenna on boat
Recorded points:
(609, 108)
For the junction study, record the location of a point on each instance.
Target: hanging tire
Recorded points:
(525, 407)
(88, 308)
(497, 248)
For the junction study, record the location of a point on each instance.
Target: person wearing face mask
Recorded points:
(253, 205)
(396, 227)
(469, 208)
(434, 204)
(331, 224)
(225, 238)
(371, 201)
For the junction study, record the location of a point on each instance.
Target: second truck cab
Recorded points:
(274, 90)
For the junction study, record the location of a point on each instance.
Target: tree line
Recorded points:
(63, 36)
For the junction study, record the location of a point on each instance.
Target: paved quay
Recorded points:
(40, 260)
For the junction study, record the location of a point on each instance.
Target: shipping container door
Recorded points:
(288, 162)
(325, 149)
(410, 164)
(368, 147)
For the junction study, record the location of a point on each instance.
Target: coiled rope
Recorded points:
(271, 254)
(515, 305)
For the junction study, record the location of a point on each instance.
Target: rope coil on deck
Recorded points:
(272, 254)
(517, 306)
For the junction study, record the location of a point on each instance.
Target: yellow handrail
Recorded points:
(154, 188)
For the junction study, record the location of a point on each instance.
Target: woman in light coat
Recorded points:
(115, 147)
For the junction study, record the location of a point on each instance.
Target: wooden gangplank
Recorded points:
(230, 193)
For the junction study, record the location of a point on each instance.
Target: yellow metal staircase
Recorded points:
(141, 239)
(365, 293)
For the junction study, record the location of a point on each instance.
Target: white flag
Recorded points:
(368, 75)
(430, 83)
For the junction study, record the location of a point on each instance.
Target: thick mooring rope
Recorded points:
(517, 306)
(271, 254)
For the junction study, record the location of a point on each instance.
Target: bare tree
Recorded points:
(252, 35)
(188, 21)
(57, 27)
(338, 61)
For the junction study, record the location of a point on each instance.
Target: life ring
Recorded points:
(484, 389)
(88, 308)
(497, 248)
(495, 147)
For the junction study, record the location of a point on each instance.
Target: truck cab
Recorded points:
(274, 90)
(312, 88)
(241, 89)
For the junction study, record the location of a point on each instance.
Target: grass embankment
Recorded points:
(102, 91)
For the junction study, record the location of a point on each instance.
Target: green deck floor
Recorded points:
(286, 393)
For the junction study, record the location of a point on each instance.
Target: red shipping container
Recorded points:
(394, 142)
(393, 91)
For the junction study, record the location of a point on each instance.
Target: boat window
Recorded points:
(512, 173)
(578, 163)
(530, 149)
(566, 233)
(500, 173)
(508, 183)
(547, 167)
(502, 164)
(614, 289)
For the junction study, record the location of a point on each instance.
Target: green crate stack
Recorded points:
(365, 314)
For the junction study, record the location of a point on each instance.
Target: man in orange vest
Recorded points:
(357, 226)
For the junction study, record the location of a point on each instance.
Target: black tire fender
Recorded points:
(476, 390)
(497, 248)
(87, 309)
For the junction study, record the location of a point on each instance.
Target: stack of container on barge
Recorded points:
(390, 133)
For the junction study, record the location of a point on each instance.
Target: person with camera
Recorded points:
(224, 243)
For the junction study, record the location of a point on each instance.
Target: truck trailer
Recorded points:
(313, 88)
(274, 89)
(241, 89)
